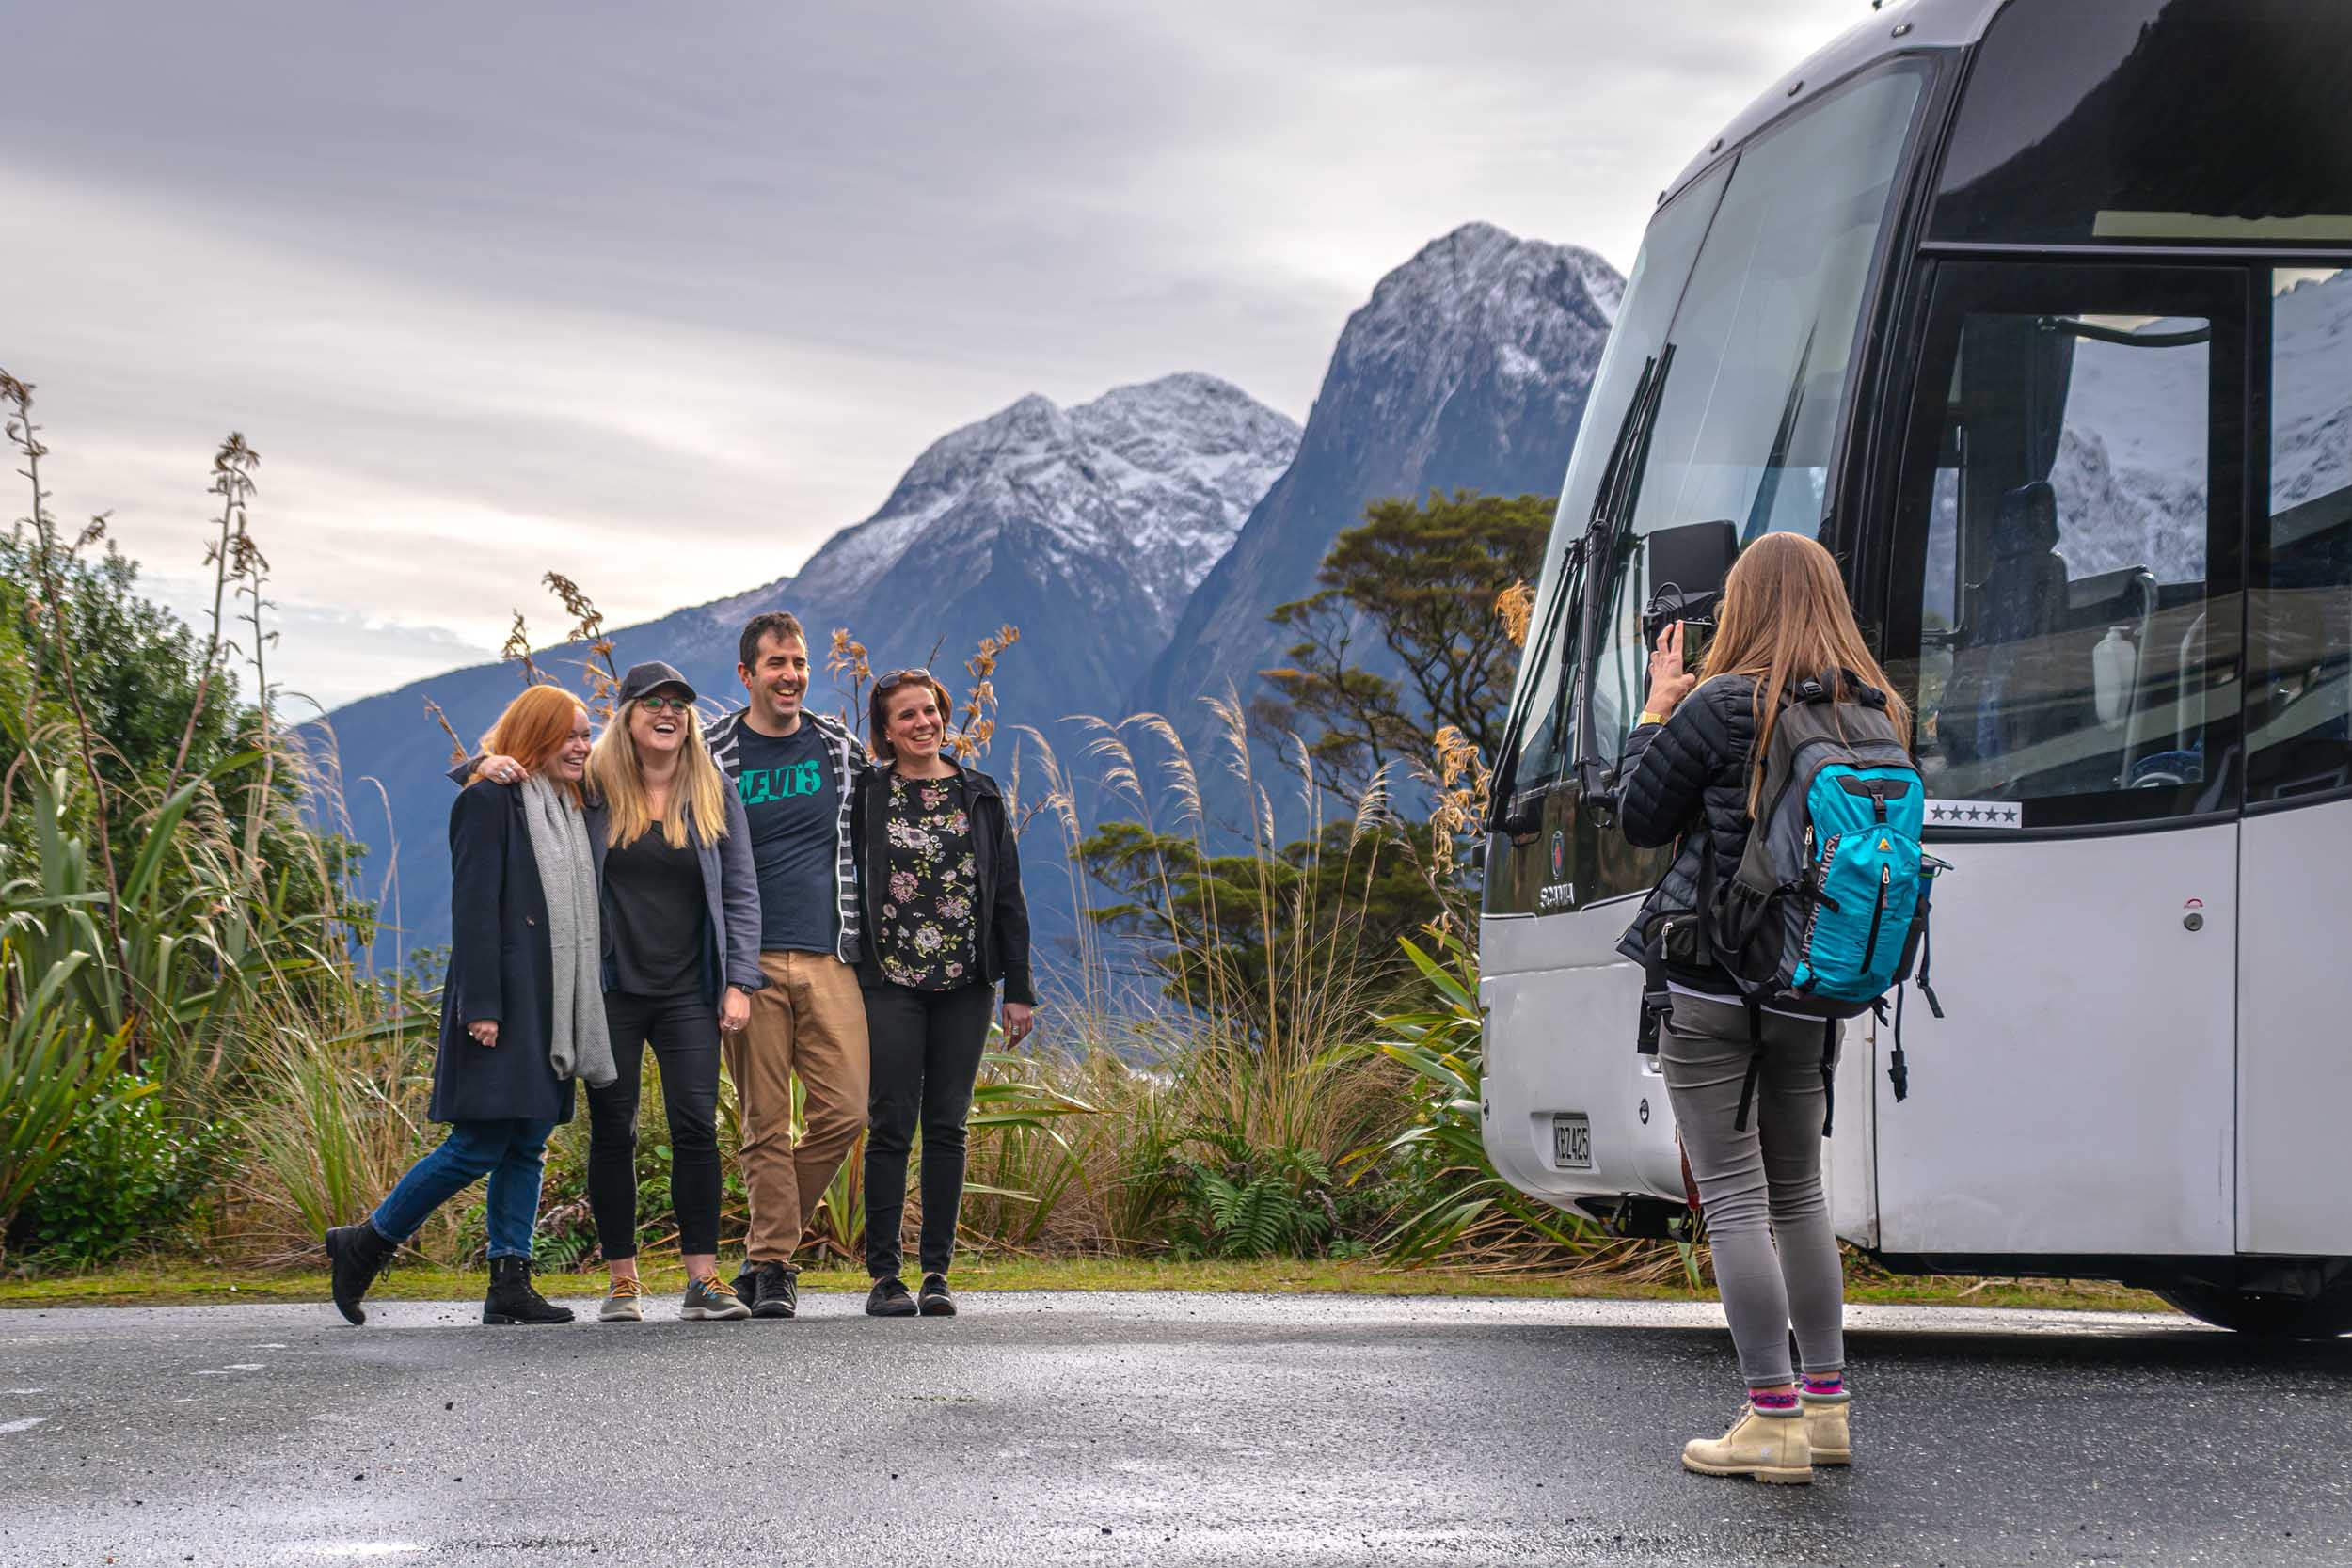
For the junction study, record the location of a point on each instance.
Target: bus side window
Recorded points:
(2299, 689)
(2051, 611)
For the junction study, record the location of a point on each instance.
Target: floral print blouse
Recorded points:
(929, 933)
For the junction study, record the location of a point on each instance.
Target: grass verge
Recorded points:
(181, 1284)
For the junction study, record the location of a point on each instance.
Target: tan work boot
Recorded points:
(1761, 1446)
(1825, 1429)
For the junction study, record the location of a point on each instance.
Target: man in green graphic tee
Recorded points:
(791, 768)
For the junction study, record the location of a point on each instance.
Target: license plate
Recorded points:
(1571, 1140)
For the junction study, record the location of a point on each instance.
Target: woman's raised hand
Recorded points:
(499, 770)
(1669, 683)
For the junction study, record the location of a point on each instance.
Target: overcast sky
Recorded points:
(662, 296)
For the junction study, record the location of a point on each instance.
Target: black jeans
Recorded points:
(926, 1047)
(684, 1034)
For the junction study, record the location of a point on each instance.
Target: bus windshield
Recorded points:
(1755, 276)
(1763, 333)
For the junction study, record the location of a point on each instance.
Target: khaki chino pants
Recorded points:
(809, 1019)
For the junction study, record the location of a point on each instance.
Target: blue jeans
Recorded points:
(508, 1152)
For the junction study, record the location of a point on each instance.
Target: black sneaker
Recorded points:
(775, 1290)
(935, 1301)
(889, 1299)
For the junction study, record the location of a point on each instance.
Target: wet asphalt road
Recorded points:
(1162, 1430)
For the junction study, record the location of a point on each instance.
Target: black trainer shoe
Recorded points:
(512, 1300)
(775, 1290)
(935, 1301)
(889, 1299)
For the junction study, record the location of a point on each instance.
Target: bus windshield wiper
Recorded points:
(1612, 514)
(1502, 810)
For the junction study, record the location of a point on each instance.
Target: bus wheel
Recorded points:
(2266, 1316)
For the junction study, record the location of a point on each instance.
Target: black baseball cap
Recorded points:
(651, 676)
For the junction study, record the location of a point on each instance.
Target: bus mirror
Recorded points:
(1686, 568)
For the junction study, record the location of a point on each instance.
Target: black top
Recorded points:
(929, 934)
(793, 801)
(654, 915)
(1687, 780)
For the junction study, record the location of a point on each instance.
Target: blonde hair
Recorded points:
(1784, 617)
(620, 779)
(534, 727)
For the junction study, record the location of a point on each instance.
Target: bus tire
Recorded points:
(2265, 1316)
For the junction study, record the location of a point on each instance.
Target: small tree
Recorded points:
(1403, 641)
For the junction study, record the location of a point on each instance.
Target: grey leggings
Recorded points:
(1761, 1185)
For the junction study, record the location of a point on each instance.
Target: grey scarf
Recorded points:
(578, 1046)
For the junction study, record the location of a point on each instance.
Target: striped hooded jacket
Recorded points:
(722, 737)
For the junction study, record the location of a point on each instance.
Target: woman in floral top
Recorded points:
(940, 873)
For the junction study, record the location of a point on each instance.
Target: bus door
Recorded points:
(2064, 608)
(2295, 1070)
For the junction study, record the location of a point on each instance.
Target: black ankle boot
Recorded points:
(355, 1254)
(512, 1300)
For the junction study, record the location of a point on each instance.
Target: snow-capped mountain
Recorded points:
(1155, 479)
(1086, 527)
(1467, 368)
(1135, 527)
(2131, 459)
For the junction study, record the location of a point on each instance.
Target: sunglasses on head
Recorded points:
(900, 677)
(660, 700)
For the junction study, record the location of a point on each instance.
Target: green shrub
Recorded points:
(131, 1176)
(1250, 1202)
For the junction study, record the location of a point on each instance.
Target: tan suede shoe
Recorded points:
(1764, 1447)
(1826, 1431)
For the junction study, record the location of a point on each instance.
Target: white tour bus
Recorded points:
(2039, 314)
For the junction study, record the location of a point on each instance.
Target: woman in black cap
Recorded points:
(681, 953)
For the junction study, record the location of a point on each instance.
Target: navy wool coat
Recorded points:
(500, 967)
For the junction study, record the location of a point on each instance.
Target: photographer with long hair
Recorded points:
(1691, 775)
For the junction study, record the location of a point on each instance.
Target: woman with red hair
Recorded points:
(522, 1009)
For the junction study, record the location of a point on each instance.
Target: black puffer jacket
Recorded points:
(1688, 780)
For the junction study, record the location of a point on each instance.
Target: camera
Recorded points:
(1670, 604)
(1688, 563)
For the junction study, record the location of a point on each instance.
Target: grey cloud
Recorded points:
(488, 281)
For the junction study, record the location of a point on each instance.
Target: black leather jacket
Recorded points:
(1686, 783)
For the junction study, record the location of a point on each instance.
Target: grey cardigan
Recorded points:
(730, 892)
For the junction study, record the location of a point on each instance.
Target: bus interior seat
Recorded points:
(2024, 587)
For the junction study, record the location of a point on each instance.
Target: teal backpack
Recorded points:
(1828, 908)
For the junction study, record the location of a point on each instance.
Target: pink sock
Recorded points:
(1774, 1403)
(1820, 1384)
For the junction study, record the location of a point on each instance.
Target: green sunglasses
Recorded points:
(660, 700)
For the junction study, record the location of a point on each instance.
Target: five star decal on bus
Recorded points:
(1972, 814)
